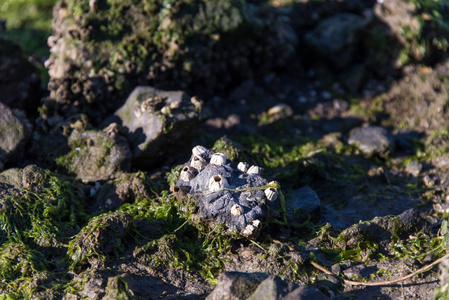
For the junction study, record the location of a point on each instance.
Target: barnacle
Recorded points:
(198, 150)
(188, 173)
(251, 229)
(218, 159)
(198, 162)
(236, 210)
(271, 193)
(243, 167)
(255, 170)
(217, 182)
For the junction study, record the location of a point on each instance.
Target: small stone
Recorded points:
(413, 168)
(371, 140)
(307, 202)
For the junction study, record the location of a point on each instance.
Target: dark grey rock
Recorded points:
(97, 155)
(358, 271)
(371, 140)
(19, 81)
(336, 37)
(124, 189)
(14, 133)
(158, 122)
(226, 194)
(306, 293)
(273, 288)
(412, 223)
(303, 202)
(236, 285)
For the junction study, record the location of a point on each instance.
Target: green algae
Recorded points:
(45, 217)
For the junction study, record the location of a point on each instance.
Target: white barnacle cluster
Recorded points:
(234, 192)
(246, 168)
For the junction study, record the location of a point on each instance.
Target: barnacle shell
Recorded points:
(217, 182)
(187, 173)
(198, 162)
(198, 150)
(271, 193)
(236, 210)
(255, 170)
(252, 228)
(218, 159)
(243, 167)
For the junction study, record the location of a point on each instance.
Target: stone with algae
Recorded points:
(230, 193)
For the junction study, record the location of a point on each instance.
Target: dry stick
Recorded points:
(389, 282)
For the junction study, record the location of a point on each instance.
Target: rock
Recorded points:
(126, 188)
(336, 37)
(443, 291)
(303, 202)
(358, 271)
(19, 82)
(101, 238)
(252, 286)
(413, 168)
(273, 288)
(200, 46)
(305, 293)
(14, 133)
(159, 123)
(382, 229)
(236, 285)
(225, 192)
(371, 140)
(96, 155)
(413, 223)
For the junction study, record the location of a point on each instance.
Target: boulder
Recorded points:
(96, 155)
(14, 133)
(158, 123)
(229, 193)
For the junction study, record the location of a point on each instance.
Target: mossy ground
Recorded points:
(51, 246)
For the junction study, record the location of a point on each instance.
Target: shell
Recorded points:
(198, 162)
(252, 228)
(198, 150)
(187, 173)
(218, 159)
(255, 170)
(243, 167)
(236, 210)
(217, 183)
(137, 111)
(271, 193)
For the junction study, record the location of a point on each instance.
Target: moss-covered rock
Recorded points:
(103, 237)
(100, 52)
(97, 155)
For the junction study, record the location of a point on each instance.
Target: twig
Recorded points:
(389, 282)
